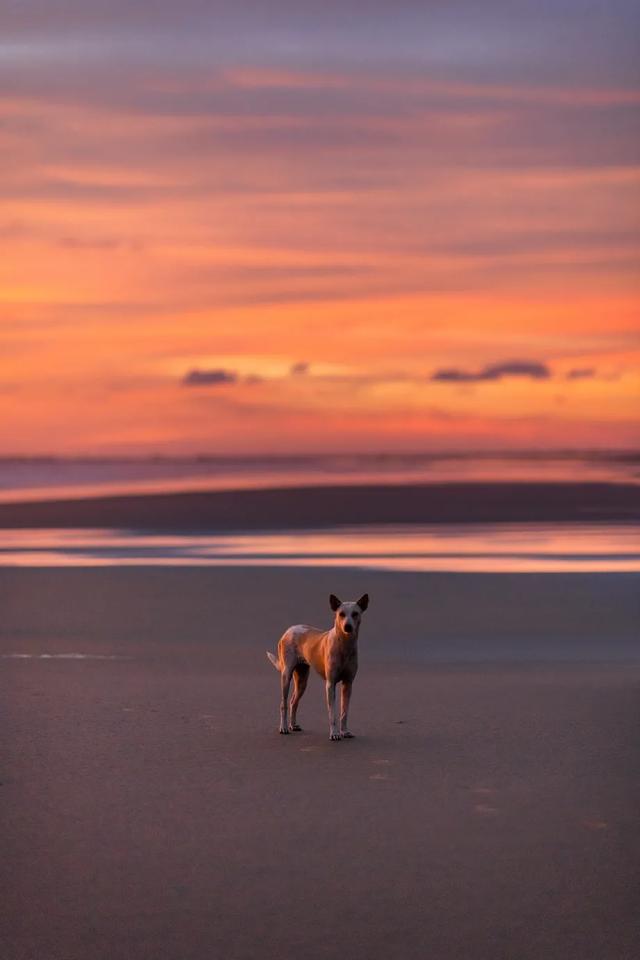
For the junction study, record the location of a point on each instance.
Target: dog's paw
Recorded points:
(335, 736)
(296, 728)
(346, 735)
(283, 730)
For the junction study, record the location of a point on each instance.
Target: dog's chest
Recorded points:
(343, 661)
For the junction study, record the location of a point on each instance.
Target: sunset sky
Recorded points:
(285, 226)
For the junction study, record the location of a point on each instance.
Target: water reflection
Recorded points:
(478, 548)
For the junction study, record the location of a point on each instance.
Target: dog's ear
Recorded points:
(363, 602)
(334, 603)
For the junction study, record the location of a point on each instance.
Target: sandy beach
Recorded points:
(487, 809)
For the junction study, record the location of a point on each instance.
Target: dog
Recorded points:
(333, 653)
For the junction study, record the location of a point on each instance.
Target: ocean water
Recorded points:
(474, 548)
(52, 478)
(479, 548)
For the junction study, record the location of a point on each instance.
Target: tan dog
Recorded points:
(333, 653)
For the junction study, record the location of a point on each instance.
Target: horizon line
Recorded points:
(207, 457)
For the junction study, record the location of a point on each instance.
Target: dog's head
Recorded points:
(348, 613)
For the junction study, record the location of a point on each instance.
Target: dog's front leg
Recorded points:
(331, 708)
(345, 697)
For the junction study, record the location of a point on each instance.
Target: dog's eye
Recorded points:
(355, 614)
(342, 613)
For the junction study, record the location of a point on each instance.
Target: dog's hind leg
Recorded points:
(285, 682)
(300, 677)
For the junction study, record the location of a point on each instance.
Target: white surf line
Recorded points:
(61, 656)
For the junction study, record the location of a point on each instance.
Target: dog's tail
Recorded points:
(274, 660)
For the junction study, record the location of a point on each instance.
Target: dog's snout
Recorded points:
(348, 627)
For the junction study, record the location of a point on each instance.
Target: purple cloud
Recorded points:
(299, 369)
(581, 373)
(494, 371)
(209, 378)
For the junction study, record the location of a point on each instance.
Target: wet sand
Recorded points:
(325, 506)
(487, 809)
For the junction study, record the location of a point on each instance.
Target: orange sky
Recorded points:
(351, 252)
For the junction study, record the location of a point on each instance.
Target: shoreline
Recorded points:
(314, 507)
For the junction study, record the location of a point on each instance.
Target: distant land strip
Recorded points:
(337, 505)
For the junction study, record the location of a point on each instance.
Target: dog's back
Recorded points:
(301, 643)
